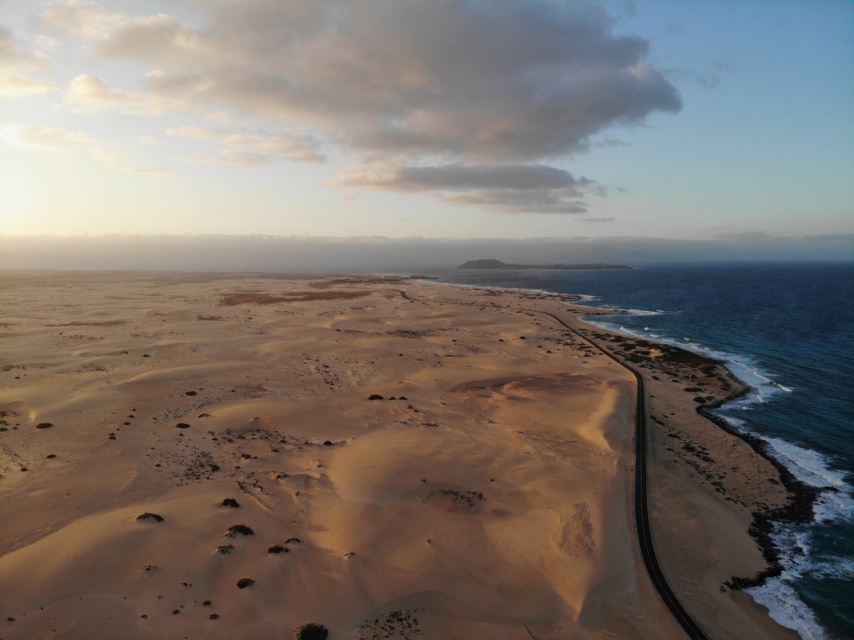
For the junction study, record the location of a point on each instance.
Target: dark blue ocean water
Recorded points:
(787, 330)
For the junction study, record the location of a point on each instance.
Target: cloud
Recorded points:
(14, 58)
(378, 254)
(160, 38)
(47, 42)
(250, 150)
(457, 177)
(57, 139)
(196, 133)
(517, 188)
(403, 84)
(45, 138)
(80, 18)
(506, 201)
(298, 146)
(88, 93)
(18, 86)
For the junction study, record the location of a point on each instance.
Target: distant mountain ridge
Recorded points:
(497, 264)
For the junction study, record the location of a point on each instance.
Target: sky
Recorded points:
(688, 120)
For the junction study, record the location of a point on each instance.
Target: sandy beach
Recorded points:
(239, 455)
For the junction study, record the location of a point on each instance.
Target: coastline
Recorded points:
(687, 454)
(802, 496)
(539, 415)
(796, 507)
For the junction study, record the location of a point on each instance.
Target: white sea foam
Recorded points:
(795, 541)
(834, 506)
(745, 369)
(787, 608)
(643, 312)
(808, 466)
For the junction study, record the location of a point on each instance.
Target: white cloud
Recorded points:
(45, 138)
(88, 93)
(81, 18)
(15, 58)
(196, 133)
(57, 139)
(19, 86)
(47, 43)
(249, 150)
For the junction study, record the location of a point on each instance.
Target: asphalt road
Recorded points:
(647, 548)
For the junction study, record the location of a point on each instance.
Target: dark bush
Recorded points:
(312, 631)
(239, 529)
(150, 516)
(245, 582)
(230, 502)
(375, 396)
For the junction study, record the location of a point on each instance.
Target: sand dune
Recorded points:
(486, 495)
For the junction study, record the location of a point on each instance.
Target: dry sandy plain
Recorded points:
(488, 494)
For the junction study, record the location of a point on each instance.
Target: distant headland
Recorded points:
(497, 264)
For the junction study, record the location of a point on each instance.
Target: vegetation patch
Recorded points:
(239, 530)
(401, 623)
(150, 516)
(312, 631)
(456, 501)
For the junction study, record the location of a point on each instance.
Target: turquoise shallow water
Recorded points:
(787, 330)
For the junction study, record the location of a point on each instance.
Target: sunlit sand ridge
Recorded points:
(405, 459)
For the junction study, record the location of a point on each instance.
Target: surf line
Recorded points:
(642, 521)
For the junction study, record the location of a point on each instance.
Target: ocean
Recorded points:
(787, 331)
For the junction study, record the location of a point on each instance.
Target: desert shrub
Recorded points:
(239, 529)
(312, 631)
(150, 516)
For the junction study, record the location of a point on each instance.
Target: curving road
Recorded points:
(647, 548)
(650, 560)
